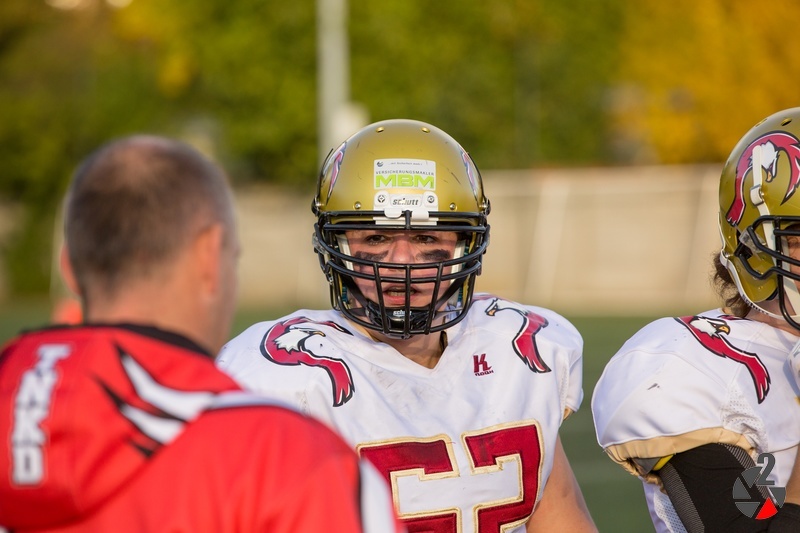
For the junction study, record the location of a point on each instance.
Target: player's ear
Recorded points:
(67, 273)
(207, 255)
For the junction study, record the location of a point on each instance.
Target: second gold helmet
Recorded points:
(760, 213)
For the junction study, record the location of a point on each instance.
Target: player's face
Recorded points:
(404, 247)
(793, 244)
(793, 251)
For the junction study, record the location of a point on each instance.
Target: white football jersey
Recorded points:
(687, 381)
(466, 445)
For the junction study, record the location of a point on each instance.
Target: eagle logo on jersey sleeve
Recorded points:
(709, 332)
(285, 344)
(524, 342)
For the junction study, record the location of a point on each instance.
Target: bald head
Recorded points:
(134, 204)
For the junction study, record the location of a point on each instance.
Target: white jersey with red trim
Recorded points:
(468, 445)
(683, 382)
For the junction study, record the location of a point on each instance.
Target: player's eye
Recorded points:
(793, 242)
(425, 239)
(376, 239)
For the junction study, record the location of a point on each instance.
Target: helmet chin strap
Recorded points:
(417, 318)
(790, 290)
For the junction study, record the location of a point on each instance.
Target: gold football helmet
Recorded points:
(760, 208)
(400, 175)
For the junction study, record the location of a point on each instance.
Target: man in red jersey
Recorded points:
(123, 423)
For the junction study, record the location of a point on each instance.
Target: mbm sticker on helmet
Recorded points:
(405, 174)
(405, 185)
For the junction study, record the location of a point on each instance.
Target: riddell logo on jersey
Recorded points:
(480, 365)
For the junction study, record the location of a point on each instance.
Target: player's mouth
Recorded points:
(395, 296)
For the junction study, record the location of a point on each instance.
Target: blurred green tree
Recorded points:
(236, 79)
(520, 83)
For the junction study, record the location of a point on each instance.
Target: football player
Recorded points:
(704, 408)
(124, 423)
(456, 397)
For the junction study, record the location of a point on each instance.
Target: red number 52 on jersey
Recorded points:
(431, 494)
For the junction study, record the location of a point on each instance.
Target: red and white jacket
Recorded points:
(128, 428)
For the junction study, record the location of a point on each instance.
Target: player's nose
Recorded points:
(401, 251)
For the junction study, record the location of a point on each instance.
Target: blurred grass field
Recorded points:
(614, 497)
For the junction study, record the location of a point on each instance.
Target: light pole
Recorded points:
(337, 116)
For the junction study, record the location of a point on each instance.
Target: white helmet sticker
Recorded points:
(405, 174)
